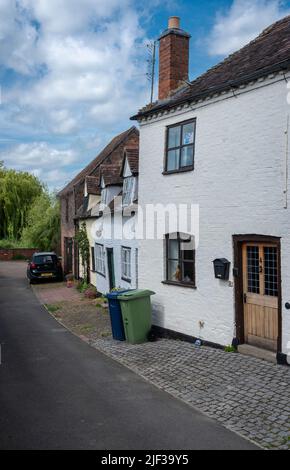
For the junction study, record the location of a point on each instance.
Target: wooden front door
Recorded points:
(260, 287)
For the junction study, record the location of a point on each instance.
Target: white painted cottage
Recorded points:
(221, 142)
(113, 229)
(88, 189)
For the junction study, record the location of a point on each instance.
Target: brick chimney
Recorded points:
(173, 58)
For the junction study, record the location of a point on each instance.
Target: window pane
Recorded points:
(173, 160)
(44, 259)
(187, 156)
(271, 271)
(188, 272)
(188, 255)
(174, 137)
(127, 190)
(173, 249)
(104, 196)
(188, 134)
(100, 259)
(126, 263)
(174, 271)
(253, 269)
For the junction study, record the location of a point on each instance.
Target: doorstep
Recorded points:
(248, 350)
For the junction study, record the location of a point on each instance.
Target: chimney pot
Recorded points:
(174, 22)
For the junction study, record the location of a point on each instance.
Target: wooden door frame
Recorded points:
(238, 241)
(110, 256)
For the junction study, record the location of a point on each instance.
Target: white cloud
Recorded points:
(242, 23)
(50, 164)
(80, 68)
(79, 64)
(70, 16)
(17, 38)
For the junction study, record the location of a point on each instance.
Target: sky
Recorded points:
(72, 72)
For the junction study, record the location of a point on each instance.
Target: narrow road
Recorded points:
(58, 393)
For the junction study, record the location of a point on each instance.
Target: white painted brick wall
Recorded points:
(238, 182)
(101, 282)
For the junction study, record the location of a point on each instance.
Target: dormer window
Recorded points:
(104, 196)
(103, 192)
(128, 188)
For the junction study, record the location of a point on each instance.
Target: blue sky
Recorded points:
(72, 72)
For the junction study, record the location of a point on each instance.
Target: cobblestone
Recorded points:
(247, 395)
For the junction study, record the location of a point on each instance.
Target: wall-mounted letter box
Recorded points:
(222, 269)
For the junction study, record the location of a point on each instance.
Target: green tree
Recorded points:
(43, 224)
(18, 191)
(84, 249)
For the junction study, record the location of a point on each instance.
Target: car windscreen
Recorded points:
(45, 259)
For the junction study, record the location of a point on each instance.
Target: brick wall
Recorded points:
(67, 205)
(72, 200)
(173, 63)
(9, 254)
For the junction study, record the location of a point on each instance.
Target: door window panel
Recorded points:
(271, 271)
(253, 269)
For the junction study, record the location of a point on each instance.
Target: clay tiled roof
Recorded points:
(132, 155)
(92, 183)
(268, 53)
(111, 175)
(103, 155)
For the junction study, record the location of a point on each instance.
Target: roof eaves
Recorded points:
(281, 66)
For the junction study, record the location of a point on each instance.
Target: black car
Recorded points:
(44, 266)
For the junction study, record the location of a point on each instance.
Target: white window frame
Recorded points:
(104, 196)
(128, 190)
(100, 259)
(126, 258)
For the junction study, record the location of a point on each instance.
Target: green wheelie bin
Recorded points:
(137, 314)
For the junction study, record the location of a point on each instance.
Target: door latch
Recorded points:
(245, 298)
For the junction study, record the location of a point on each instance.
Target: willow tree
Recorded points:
(18, 191)
(43, 224)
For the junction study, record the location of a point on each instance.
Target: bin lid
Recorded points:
(114, 295)
(135, 294)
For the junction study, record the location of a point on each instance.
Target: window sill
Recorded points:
(180, 284)
(181, 170)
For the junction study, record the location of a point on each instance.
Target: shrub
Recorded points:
(19, 257)
(230, 349)
(10, 244)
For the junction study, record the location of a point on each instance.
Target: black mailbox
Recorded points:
(222, 269)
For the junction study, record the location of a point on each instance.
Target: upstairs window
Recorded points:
(100, 260)
(104, 196)
(128, 187)
(180, 260)
(180, 147)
